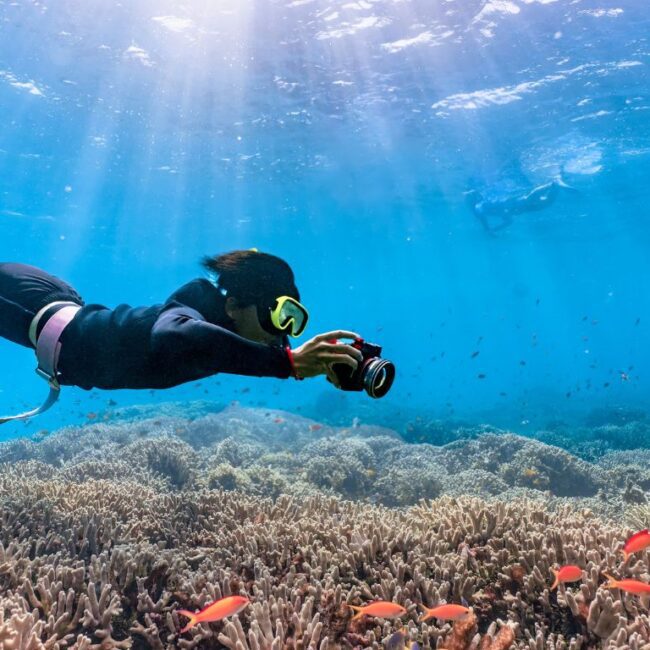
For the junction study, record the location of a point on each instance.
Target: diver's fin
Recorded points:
(560, 182)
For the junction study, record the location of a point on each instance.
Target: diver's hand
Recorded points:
(316, 356)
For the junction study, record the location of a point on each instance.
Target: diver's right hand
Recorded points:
(316, 356)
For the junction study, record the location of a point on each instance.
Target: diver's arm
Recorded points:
(182, 339)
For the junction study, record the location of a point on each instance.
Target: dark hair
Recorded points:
(251, 277)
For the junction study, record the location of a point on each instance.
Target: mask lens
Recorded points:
(292, 313)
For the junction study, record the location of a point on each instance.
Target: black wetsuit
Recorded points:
(135, 347)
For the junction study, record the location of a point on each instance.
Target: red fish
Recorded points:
(315, 427)
(567, 573)
(448, 612)
(215, 611)
(631, 586)
(636, 543)
(380, 609)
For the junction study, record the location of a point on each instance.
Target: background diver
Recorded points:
(237, 322)
(496, 213)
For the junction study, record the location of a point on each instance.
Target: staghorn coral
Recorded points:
(638, 517)
(477, 482)
(345, 468)
(169, 457)
(548, 468)
(115, 561)
(226, 477)
(403, 487)
(236, 452)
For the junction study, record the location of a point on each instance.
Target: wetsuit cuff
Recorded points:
(294, 372)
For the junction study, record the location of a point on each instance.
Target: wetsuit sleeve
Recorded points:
(183, 342)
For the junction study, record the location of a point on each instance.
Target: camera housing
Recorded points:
(373, 374)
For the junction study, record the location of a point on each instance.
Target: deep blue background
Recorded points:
(343, 137)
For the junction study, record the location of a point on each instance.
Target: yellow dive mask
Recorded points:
(288, 314)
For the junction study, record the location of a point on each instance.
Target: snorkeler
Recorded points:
(497, 213)
(236, 322)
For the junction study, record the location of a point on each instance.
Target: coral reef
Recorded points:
(606, 430)
(107, 564)
(108, 530)
(267, 453)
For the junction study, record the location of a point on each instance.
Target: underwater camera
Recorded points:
(373, 374)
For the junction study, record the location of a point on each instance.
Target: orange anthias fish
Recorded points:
(215, 611)
(631, 586)
(448, 612)
(636, 543)
(566, 573)
(380, 609)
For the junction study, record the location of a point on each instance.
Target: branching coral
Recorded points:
(106, 563)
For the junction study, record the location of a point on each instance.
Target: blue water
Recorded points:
(344, 137)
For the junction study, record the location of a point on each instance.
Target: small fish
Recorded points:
(246, 389)
(636, 543)
(111, 402)
(215, 611)
(92, 415)
(631, 586)
(503, 394)
(481, 375)
(637, 321)
(278, 420)
(606, 384)
(566, 573)
(624, 376)
(448, 612)
(475, 354)
(380, 609)
(522, 363)
(315, 427)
